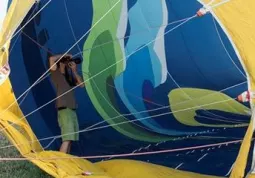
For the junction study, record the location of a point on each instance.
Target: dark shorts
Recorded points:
(68, 123)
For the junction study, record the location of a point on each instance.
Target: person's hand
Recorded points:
(73, 66)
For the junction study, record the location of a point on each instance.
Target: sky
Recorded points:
(3, 9)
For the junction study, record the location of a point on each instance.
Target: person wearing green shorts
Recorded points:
(68, 123)
(64, 77)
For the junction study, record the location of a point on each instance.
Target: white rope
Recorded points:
(11, 37)
(109, 66)
(216, 5)
(221, 3)
(125, 122)
(26, 94)
(230, 170)
(23, 99)
(119, 114)
(90, 77)
(222, 120)
(158, 115)
(71, 27)
(127, 154)
(190, 98)
(23, 28)
(178, 84)
(209, 3)
(149, 29)
(223, 45)
(129, 114)
(178, 139)
(127, 36)
(140, 119)
(122, 59)
(55, 64)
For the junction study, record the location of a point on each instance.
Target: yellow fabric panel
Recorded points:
(212, 2)
(241, 161)
(137, 169)
(250, 176)
(16, 13)
(239, 19)
(16, 137)
(13, 115)
(7, 97)
(66, 167)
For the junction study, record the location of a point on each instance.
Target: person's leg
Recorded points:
(69, 147)
(68, 124)
(76, 126)
(65, 146)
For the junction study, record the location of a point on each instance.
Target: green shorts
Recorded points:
(68, 123)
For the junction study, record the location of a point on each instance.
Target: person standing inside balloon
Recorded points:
(64, 77)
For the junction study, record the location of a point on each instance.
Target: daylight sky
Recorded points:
(3, 9)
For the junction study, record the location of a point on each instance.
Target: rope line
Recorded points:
(20, 33)
(47, 50)
(54, 65)
(127, 36)
(44, 48)
(88, 78)
(77, 43)
(228, 54)
(136, 50)
(222, 120)
(135, 120)
(11, 37)
(90, 128)
(152, 110)
(220, 3)
(126, 154)
(15, 42)
(190, 98)
(71, 27)
(39, 11)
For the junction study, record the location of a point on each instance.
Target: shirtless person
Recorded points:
(64, 77)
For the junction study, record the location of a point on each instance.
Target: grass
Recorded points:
(17, 169)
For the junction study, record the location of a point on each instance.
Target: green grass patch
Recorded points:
(17, 169)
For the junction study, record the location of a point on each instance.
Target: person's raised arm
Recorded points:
(53, 59)
(77, 77)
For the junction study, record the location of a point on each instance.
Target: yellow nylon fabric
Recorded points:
(66, 167)
(250, 176)
(239, 19)
(241, 161)
(20, 133)
(137, 169)
(16, 13)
